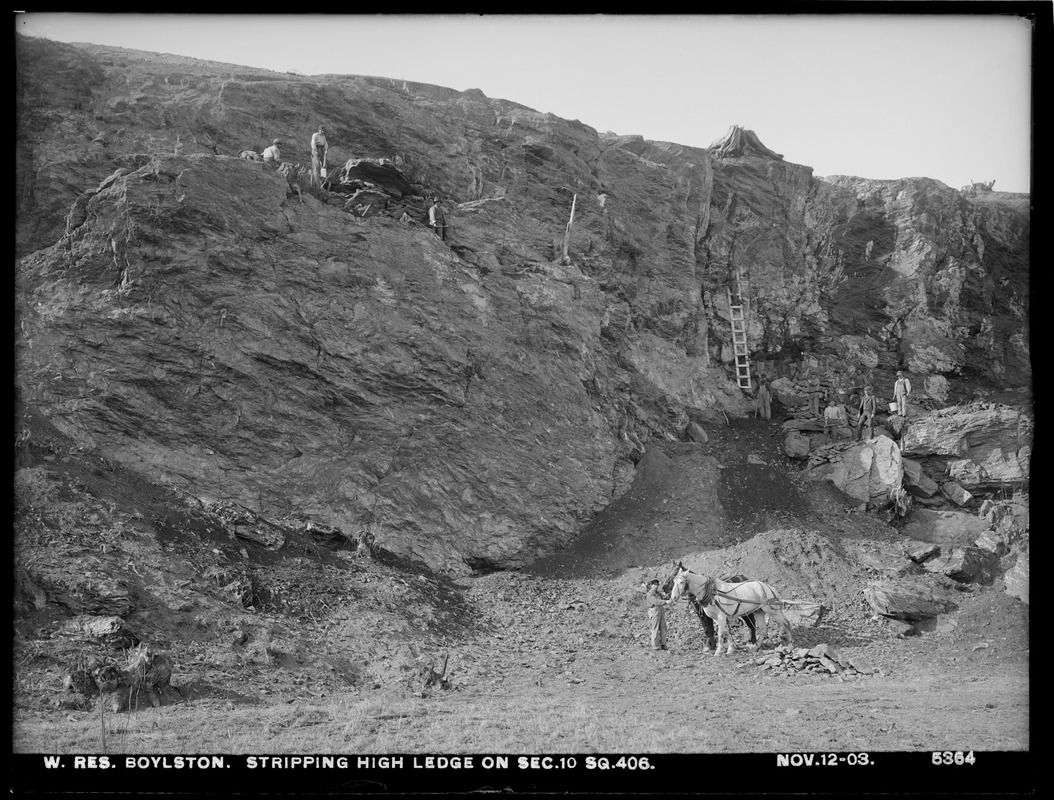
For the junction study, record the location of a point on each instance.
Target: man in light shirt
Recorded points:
(901, 390)
(319, 151)
(273, 154)
(834, 419)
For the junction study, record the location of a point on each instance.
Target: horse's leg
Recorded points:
(724, 634)
(753, 625)
(785, 626)
(762, 620)
(708, 624)
(719, 618)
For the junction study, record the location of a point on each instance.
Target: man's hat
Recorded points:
(276, 141)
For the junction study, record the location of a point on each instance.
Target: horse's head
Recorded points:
(667, 587)
(678, 583)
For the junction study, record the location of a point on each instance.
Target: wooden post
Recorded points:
(567, 231)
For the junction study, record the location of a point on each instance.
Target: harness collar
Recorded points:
(706, 596)
(709, 590)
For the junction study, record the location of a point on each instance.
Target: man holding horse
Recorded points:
(708, 624)
(656, 615)
(722, 601)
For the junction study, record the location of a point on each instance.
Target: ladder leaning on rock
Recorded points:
(737, 320)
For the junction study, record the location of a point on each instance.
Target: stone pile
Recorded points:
(123, 683)
(822, 658)
(377, 185)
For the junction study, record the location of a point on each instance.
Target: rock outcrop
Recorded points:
(471, 403)
(866, 471)
(738, 143)
(978, 447)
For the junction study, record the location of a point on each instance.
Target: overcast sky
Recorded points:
(876, 96)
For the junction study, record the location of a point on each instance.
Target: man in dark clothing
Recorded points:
(437, 219)
(868, 409)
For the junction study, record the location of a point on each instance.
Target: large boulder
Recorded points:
(983, 447)
(866, 471)
(916, 481)
(905, 600)
(944, 527)
(965, 564)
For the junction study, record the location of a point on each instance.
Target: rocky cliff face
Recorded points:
(471, 402)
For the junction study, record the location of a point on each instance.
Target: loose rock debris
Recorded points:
(120, 684)
(821, 658)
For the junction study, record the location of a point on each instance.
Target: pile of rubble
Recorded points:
(371, 186)
(121, 684)
(821, 658)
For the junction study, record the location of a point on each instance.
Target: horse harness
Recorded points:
(706, 597)
(710, 594)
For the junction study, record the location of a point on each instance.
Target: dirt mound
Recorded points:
(672, 505)
(799, 564)
(690, 497)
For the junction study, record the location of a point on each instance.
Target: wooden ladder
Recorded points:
(737, 319)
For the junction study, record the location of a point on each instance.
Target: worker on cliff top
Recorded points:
(273, 154)
(319, 151)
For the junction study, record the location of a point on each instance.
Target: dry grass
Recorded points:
(375, 723)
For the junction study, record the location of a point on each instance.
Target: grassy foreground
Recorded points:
(378, 723)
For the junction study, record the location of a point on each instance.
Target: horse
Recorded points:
(722, 601)
(708, 624)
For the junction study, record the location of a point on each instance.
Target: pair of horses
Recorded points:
(738, 598)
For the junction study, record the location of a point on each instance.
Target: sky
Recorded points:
(880, 96)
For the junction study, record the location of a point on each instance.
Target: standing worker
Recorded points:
(833, 419)
(437, 219)
(764, 401)
(901, 390)
(656, 615)
(319, 151)
(868, 409)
